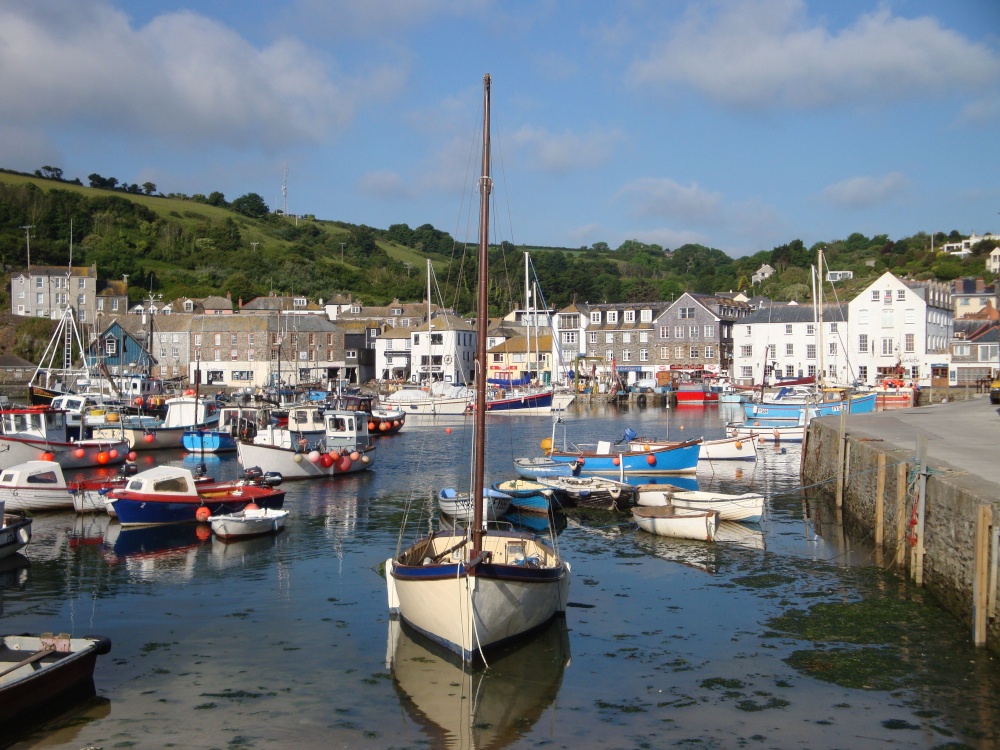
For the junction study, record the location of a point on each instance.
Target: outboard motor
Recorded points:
(272, 478)
(127, 469)
(253, 474)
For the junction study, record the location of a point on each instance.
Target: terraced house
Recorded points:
(694, 334)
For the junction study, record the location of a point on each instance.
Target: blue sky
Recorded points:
(738, 124)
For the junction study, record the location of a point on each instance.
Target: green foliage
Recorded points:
(251, 205)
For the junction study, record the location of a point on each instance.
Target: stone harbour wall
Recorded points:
(953, 521)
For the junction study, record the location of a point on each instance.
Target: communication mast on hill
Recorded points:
(284, 190)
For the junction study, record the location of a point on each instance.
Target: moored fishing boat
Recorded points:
(721, 449)
(41, 433)
(40, 675)
(680, 523)
(15, 532)
(747, 507)
(680, 458)
(248, 522)
(344, 446)
(183, 413)
(382, 420)
(526, 496)
(458, 505)
(592, 492)
(170, 494)
(537, 467)
(472, 590)
(770, 430)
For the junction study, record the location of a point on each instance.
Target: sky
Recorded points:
(737, 124)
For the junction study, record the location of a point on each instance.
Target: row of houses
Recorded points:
(894, 326)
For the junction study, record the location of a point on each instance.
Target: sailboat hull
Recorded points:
(468, 610)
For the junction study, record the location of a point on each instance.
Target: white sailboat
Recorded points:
(474, 589)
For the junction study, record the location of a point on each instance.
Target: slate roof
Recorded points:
(832, 313)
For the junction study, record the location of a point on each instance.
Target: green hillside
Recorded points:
(199, 245)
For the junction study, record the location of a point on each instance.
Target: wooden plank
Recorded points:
(879, 501)
(980, 590)
(902, 514)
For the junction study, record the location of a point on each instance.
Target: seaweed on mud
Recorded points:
(861, 668)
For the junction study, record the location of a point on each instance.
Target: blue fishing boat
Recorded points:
(199, 440)
(538, 467)
(864, 404)
(681, 458)
(526, 496)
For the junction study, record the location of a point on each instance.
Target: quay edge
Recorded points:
(961, 520)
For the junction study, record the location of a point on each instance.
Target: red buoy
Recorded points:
(102, 458)
(651, 459)
(202, 514)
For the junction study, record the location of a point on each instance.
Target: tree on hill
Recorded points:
(251, 205)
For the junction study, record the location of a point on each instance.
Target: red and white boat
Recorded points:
(695, 394)
(40, 433)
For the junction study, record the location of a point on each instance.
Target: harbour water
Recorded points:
(784, 635)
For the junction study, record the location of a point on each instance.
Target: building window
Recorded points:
(789, 350)
(643, 337)
(644, 355)
(887, 347)
(810, 351)
(218, 339)
(875, 295)
(863, 342)
(110, 347)
(629, 316)
(686, 312)
(197, 339)
(888, 319)
(863, 373)
(678, 332)
(833, 348)
(609, 355)
(708, 332)
(595, 317)
(626, 337)
(234, 354)
(612, 316)
(900, 294)
(709, 352)
(646, 316)
(887, 299)
(909, 316)
(664, 332)
(746, 372)
(693, 331)
(833, 328)
(626, 355)
(114, 305)
(746, 350)
(695, 352)
(609, 338)
(678, 352)
(349, 354)
(909, 343)
(810, 329)
(592, 337)
(569, 337)
(232, 339)
(664, 352)
(788, 329)
(218, 355)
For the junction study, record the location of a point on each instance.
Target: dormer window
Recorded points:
(396, 311)
(188, 306)
(299, 302)
(630, 316)
(595, 317)
(356, 309)
(612, 316)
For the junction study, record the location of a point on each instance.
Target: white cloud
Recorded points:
(665, 198)
(866, 191)
(767, 53)
(182, 77)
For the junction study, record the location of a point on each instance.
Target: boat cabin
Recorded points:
(44, 424)
(345, 430)
(187, 411)
(172, 480)
(45, 474)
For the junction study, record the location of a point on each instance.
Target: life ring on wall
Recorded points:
(447, 359)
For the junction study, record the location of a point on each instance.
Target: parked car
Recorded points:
(995, 391)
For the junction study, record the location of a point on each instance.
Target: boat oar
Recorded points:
(38, 655)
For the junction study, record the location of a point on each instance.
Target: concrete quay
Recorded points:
(937, 519)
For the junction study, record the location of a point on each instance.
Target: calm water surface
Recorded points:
(783, 636)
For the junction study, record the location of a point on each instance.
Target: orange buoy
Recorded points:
(102, 457)
(202, 514)
(651, 459)
(580, 461)
(739, 445)
(252, 506)
(79, 453)
(137, 401)
(447, 430)
(344, 464)
(48, 456)
(189, 392)
(113, 454)
(149, 437)
(616, 461)
(383, 426)
(355, 455)
(327, 460)
(371, 427)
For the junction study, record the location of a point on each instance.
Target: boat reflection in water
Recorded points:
(459, 707)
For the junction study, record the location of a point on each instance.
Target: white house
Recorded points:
(900, 328)
(993, 262)
(443, 349)
(962, 248)
(764, 272)
(785, 340)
